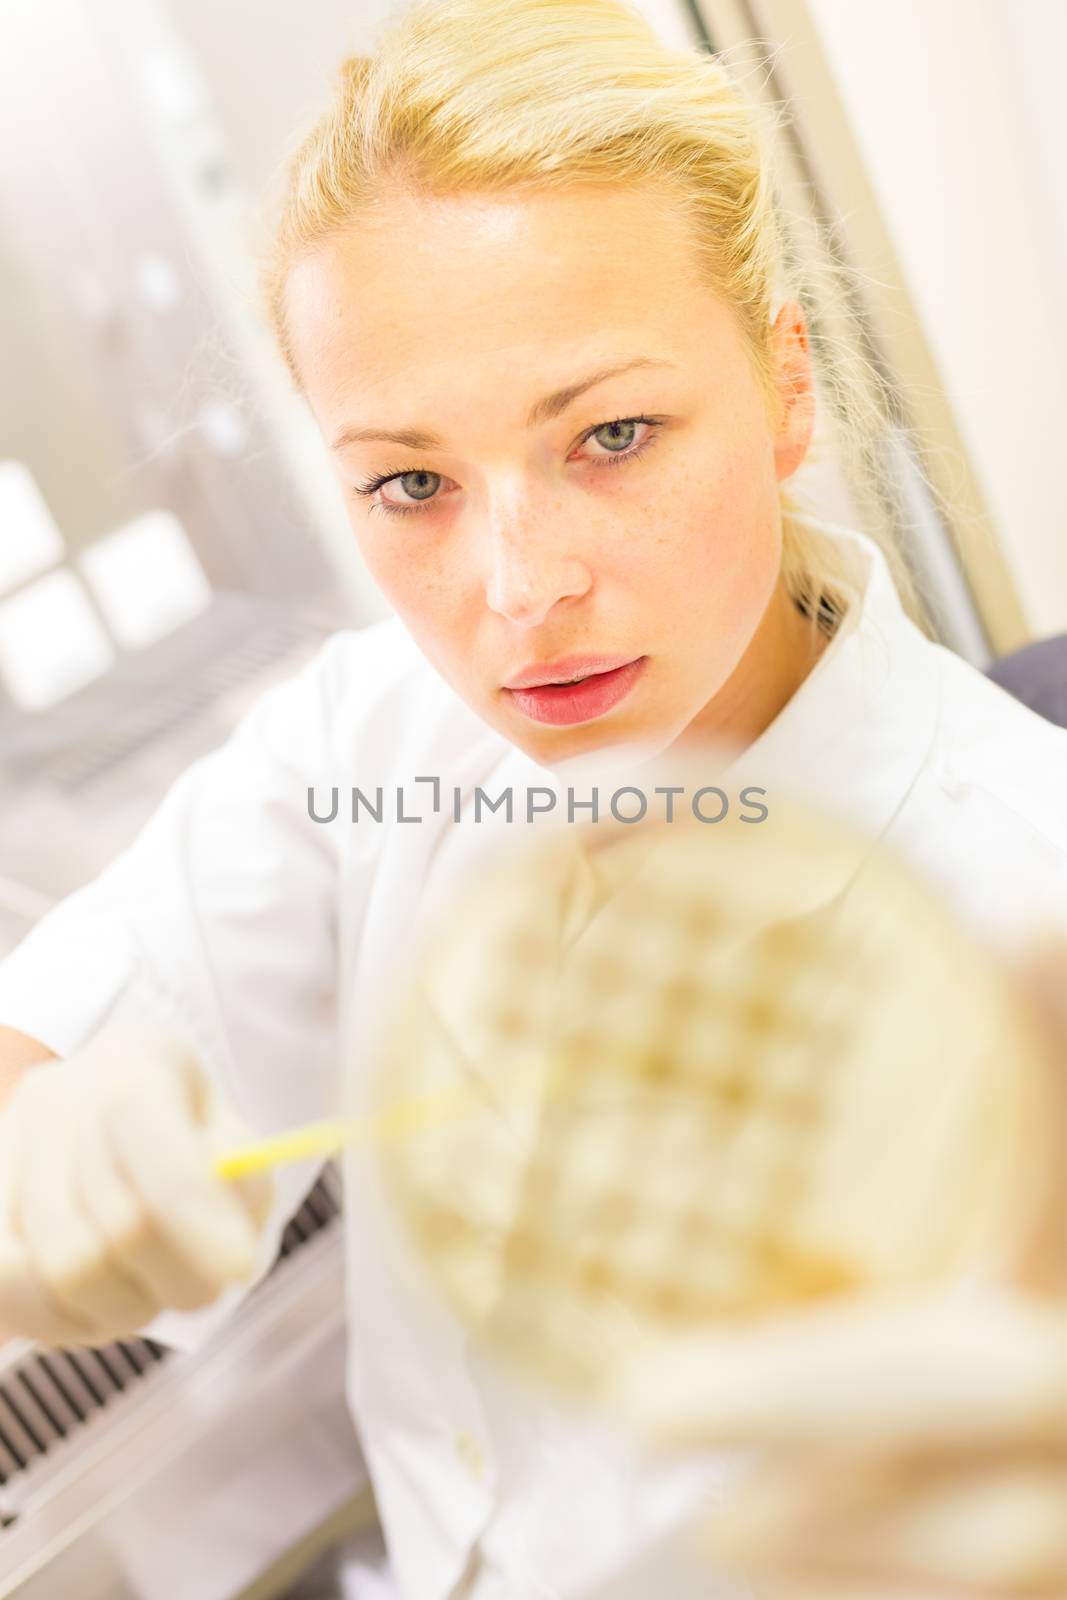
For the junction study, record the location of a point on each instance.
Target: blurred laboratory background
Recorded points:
(172, 541)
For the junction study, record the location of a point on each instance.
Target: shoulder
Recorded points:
(987, 820)
(365, 664)
(370, 691)
(995, 752)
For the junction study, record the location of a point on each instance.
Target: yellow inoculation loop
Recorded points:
(401, 1120)
(404, 1118)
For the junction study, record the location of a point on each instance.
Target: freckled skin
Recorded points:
(453, 316)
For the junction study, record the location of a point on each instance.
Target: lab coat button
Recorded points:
(470, 1454)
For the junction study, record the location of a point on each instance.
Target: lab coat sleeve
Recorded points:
(219, 921)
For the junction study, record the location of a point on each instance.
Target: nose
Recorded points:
(531, 571)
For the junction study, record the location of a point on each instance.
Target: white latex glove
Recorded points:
(109, 1208)
(918, 1444)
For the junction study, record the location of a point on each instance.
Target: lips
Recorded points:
(568, 669)
(566, 703)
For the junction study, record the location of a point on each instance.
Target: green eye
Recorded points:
(618, 440)
(413, 484)
(420, 487)
(621, 433)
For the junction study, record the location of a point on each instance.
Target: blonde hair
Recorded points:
(483, 95)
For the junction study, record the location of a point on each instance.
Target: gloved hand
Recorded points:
(903, 1445)
(109, 1208)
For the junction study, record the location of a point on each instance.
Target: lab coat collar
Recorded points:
(852, 740)
(855, 737)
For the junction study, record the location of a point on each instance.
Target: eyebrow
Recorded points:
(543, 410)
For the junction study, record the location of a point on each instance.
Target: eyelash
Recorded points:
(616, 459)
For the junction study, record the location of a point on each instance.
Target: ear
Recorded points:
(796, 422)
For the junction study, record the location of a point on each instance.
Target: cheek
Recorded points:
(710, 533)
(403, 566)
(421, 590)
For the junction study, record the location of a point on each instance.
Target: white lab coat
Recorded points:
(267, 939)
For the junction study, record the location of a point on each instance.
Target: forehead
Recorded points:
(493, 285)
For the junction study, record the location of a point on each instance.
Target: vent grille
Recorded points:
(47, 1396)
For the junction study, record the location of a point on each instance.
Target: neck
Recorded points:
(780, 655)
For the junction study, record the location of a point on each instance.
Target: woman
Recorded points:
(525, 275)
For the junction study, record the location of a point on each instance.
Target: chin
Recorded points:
(562, 745)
